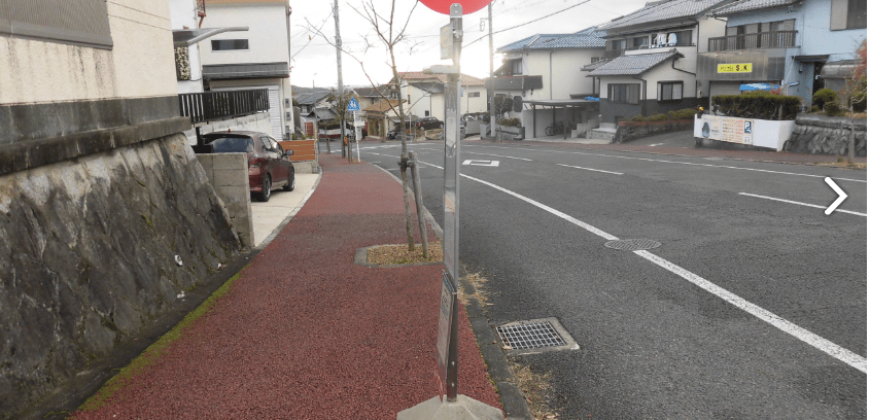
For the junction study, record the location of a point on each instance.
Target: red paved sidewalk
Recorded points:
(306, 334)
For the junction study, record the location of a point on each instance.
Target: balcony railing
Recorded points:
(778, 39)
(212, 106)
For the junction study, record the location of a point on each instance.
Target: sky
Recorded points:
(314, 59)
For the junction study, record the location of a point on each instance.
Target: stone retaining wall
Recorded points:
(820, 134)
(92, 250)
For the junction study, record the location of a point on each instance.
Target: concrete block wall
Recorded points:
(228, 174)
(259, 122)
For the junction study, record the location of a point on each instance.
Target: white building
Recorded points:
(543, 71)
(424, 94)
(257, 58)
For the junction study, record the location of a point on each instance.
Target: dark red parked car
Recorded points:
(269, 165)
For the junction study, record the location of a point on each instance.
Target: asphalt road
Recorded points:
(752, 308)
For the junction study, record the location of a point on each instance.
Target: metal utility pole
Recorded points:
(344, 152)
(491, 77)
(289, 68)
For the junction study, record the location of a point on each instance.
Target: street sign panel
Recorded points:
(468, 6)
(445, 318)
(447, 42)
(353, 105)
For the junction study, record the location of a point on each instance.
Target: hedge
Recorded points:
(761, 105)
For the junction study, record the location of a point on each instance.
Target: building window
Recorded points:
(596, 59)
(848, 14)
(229, 44)
(80, 22)
(670, 91)
(516, 67)
(473, 94)
(624, 93)
(640, 41)
(425, 113)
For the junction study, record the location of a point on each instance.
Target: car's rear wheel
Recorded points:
(266, 194)
(291, 184)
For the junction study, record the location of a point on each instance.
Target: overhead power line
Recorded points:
(529, 22)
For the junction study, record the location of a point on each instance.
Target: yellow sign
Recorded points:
(735, 68)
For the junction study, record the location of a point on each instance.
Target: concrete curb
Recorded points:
(289, 217)
(513, 401)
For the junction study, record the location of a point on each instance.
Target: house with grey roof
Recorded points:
(652, 58)
(797, 46)
(545, 71)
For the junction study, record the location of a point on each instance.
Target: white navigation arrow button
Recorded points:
(842, 196)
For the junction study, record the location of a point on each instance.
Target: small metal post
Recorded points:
(418, 200)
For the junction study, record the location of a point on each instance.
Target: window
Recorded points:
(617, 44)
(670, 91)
(80, 22)
(848, 14)
(473, 94)
(596, 59)
(425, 113)
(624, 93)
(640, 41)
(229, 44)
(516, 67)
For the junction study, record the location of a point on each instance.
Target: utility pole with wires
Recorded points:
(344, 150)
(491, 78)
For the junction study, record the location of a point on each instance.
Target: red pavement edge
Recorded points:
(306, 334)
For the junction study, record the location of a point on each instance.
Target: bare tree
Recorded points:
(854, 92)
(390, 32)
(340, 107)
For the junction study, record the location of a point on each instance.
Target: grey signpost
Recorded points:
(456, 406)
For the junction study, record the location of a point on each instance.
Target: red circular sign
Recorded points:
(468, 6)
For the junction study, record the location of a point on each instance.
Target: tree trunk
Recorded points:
(851, 159)
(418, 200)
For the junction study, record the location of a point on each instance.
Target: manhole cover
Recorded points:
(529, 335)
(633, 244)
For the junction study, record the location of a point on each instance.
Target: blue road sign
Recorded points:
(353, 105)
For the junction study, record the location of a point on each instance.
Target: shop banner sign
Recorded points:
(730, 129)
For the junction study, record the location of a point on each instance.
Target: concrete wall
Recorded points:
(141, 63)
(477, 104)
(88, 260)
(228, 175)
(258, 122)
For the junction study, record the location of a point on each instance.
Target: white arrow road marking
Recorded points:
(590, 169)
(842, 196)
(800, 204)
(475, 162)
(826, 346)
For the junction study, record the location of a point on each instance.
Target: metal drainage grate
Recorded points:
(633, 244)
(530, 335)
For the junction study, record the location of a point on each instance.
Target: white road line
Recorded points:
(493, 154)
(808, 337)
(590, 169)
(676, 162)
(820, 343)
(800, 204)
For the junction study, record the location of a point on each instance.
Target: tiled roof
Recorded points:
(382, 106)
(312, 98)
(430, 87)
(421, 76)
(749, 5)
(632, 65)
(595, 65)
(370, 92)
(587, 38)
(663, 10)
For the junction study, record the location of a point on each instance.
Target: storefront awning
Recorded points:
(748, 87)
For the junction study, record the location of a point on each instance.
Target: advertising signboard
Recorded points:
(734, 68)
(734, 130)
